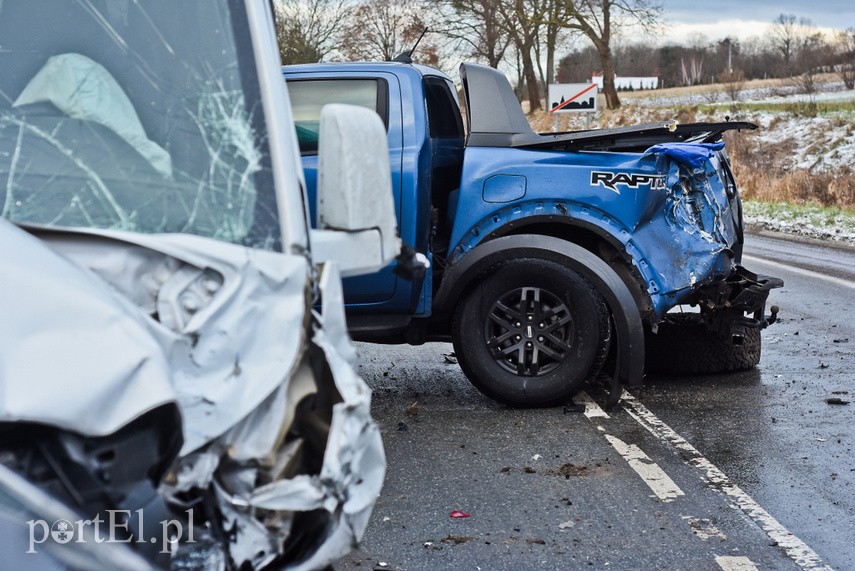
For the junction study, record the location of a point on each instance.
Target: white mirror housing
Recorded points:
(356, 210)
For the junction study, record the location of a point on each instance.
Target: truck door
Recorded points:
(378, 91)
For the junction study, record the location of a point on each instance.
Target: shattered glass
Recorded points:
(102, 128)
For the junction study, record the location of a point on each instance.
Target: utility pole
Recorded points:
(729, 44)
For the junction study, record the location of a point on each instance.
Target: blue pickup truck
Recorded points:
(555, 259)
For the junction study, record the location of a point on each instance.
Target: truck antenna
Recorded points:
(407, 57)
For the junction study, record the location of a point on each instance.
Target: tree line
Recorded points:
(544, 41)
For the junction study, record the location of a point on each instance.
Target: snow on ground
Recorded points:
(813, 223)
(825, 92)
(819, 144)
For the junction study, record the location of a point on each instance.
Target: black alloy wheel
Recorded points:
(531, 332)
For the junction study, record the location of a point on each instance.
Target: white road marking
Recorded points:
(734, 563)
(592, 409)
(795, 548)
(654, 476)
(802, 271)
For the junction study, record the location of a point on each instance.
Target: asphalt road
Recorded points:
(735, 472)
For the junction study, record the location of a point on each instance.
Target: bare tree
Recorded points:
(476, 26)
(383, 29)
(813, 51)
(522, 20)
(552, 11)
(792, 37)
(694, 72)
(783, 35)
(598, 20)
(309, 30)
(844, 50)
(492, 28)
(732, 82)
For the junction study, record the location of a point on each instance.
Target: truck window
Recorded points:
(308, 97)
(443, 111)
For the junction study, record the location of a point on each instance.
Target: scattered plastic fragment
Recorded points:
(566, 525)
(450, 358)
(536, 457)
(841, 340)
(822, 366)
(456, 514)
(836, 400)
(402, 426)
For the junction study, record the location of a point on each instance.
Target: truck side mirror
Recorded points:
(356, 210)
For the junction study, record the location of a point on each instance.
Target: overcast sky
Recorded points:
(744, 18)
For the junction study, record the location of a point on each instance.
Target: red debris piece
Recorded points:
(458, 514)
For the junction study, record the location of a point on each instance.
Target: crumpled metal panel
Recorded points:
(353, 467)
(230, 318)
(688, 244)
(75, 354)
(679, 230)
(239, 370)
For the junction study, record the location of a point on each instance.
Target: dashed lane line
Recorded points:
(795, 548)
(734, 563)
(592, 409)
(654, 476)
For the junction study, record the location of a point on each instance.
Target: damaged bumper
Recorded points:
(740, 299)
(296, 480)
(280, 452)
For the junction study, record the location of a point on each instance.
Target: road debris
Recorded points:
(704, 528)
(569, 470)
(836, 400)
(414, 409)
(450, 358)
(457, 514)
(457, 539)
(402, 426)
(566, 525)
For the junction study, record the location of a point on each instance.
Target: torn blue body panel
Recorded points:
(677, 223)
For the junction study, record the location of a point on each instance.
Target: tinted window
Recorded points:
(308, 97)
(443, 110)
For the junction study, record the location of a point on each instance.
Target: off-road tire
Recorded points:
(684, 345)
(569, 334)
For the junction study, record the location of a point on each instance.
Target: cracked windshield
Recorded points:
(120, 120)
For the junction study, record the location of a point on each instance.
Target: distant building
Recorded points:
(634, 83)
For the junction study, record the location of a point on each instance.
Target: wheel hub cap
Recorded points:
(529, 331)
